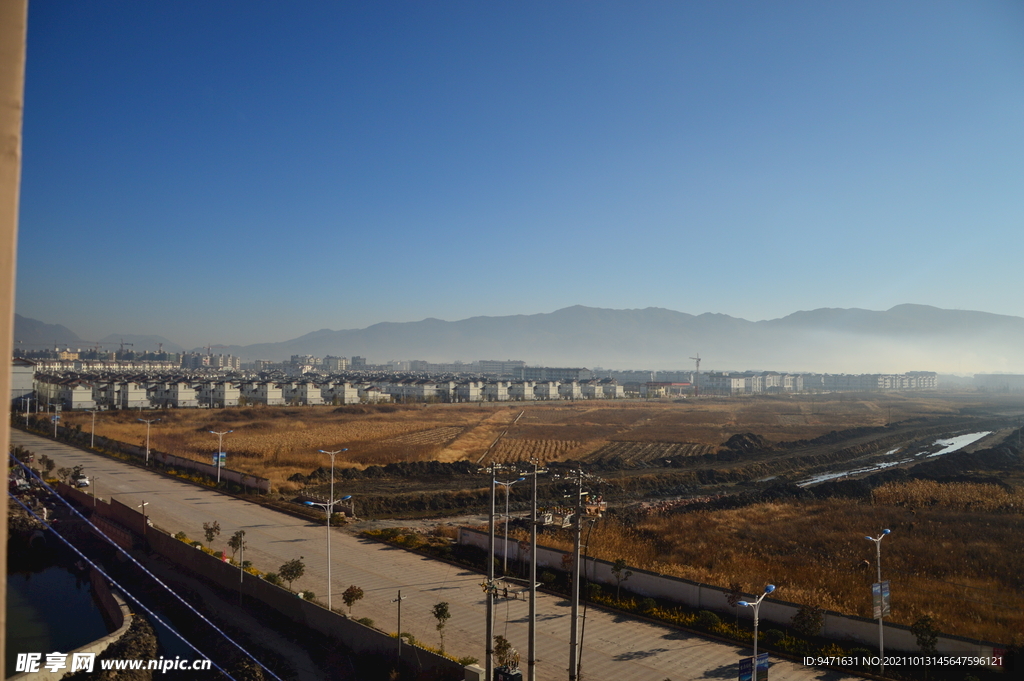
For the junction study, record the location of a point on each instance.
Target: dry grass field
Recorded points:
(954, 553)
(281, 441)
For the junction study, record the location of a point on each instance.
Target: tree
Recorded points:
(237, 543)
(211, 530)
(442, 614)
(733, 598)
(808, 620)
(63, 474)
(926, 634)
(621, 574)
(49, 464)
(292, 570)
(507, 656)
(351, 595)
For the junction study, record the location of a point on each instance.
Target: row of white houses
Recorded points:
(77, 392)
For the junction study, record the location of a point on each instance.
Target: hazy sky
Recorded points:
(236, 172)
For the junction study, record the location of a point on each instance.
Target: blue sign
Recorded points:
(746, 665)
(221, 456)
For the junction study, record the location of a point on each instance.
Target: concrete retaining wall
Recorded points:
(116, 611)
(706, 597)
(244, 479)
(360, 638)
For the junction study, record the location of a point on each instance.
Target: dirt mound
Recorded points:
(747, 443)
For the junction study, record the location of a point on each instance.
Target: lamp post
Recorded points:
(506, 485)
(92, 437)
(531, 662)
(756, 605)
(329, 511)
(145, 521)
(881, 597)
(332, 454)
(220, 448)
(148, 424)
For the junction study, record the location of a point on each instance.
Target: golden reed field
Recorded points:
(277, 442)
(955, 553)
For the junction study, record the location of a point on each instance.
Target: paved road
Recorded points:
(616, 648)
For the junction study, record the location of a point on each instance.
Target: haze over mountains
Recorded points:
(903, 338)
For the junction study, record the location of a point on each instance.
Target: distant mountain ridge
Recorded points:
(905, 337)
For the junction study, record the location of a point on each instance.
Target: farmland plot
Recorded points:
(646, 454)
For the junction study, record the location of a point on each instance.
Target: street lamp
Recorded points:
(329, 511)
(756, 605)
(332, 454)
(220, 448)
(881, 596)
(148, 424)
(145, 521)
(92, 438)
(506, 485)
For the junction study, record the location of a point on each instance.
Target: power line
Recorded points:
(119, 586)
(140, 565)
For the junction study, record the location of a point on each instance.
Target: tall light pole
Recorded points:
(506, 485)
(329, 511)
(332, 455)
(220, 448)
(145, 521)
(531, 662)
(148, 424)
(92, 438)
(881, 597)
(756, 605)
(574, 612)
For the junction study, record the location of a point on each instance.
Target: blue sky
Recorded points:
(239, 172)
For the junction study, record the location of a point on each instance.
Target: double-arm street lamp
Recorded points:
(881, 595)
(92, 438)
(329, 511)
(506, 485)
(756, 605)
(332, 455)
(220, 449)
(148, 424)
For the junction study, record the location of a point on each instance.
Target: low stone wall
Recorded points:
(116, 611)
(360, 638)
(80, 439)
(706, 597)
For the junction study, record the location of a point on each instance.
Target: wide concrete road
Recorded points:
(616, 648)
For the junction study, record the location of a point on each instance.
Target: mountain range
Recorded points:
(903, 338)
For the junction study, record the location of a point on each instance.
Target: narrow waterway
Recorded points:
(50, 610)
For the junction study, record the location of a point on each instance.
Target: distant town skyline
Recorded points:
(242, 173)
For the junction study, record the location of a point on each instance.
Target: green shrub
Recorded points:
(468, 660)
(308, 595)
(708, 620)
(274, 578)
(773, 636)
(366, 621)
(647, 605)
(547, 577)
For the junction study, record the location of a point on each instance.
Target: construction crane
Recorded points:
(696, 377)
(209, 347)
(124, 344)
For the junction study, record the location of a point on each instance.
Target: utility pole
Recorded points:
(398, 665)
